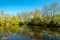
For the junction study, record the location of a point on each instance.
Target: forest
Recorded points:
(49, 15)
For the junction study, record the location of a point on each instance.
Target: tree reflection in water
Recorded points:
(25, 34)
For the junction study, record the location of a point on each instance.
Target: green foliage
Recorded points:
(2, 20)
(36, 20)
(15, 20)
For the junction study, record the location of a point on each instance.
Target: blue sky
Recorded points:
(15, 6)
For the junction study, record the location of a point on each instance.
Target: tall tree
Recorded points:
(2, 13)
(19, 15)
(45, 12)
(25, 16)
(53, 9)
(37, 13)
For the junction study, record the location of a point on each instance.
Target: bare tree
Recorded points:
(53, 9)
(19, 15)
(45, 11)
(2, 13)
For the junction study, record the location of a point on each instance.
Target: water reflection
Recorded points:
(25, 32)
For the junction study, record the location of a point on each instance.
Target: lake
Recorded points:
(25, 32)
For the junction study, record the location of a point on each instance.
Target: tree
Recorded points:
(14, 20)
(57, 18)
(31, 15)
(2, 21)
(36, 17)
(53, 9)
(25, 17)
(7, 19)
(2, 13)
(45, 12)
(19, 15)
(45, 15)
(2, 17)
